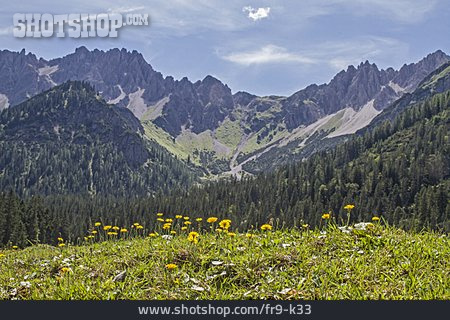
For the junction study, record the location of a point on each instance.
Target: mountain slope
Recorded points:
(399, 170)
(20, 77)
(207, 124)
(324, 135)
(436, 82)
(68, 140)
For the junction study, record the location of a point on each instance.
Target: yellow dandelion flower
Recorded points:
(159, 214)
(60, 239)
(169, 220)
(97, 224)
(171, 266)
(306, 226)
(136, 224)
(199, 219)
(94, 231)
(266, 227)
(2, 255)
(375, 218)
(173, 232)
(160, 219)
(90, 237)
(249, 235)
(192, 239)
(326, 216)
(225, 224)
(211, 219)
(187, 223)
(152, 235)
(219, 230)
(167, 226)
(115, 228)
(349, 207)
(61, 245)
(231, 234)
(15, 247)
(106, 228)
(178, 216)
(123, 230)
(65, 270)
(86, 238)
(186, 218)
(139, 227)
(111, 233)
(184, 228)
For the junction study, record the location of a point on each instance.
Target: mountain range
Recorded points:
(202, 123)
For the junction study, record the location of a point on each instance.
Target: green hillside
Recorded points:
(68, 140)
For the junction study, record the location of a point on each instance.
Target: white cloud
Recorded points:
(6, 31)
(256, 14)
(336, 54)
(341, 54)
(267, 54)
(123, 10)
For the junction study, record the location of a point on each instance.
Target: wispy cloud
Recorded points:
(126, 9)
(256, 14)
(404, 11)
(267, 54)
(6, 31)
(336, 54)
(339, 55)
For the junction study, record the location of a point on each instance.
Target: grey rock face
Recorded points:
(19, 76)
(119, 74)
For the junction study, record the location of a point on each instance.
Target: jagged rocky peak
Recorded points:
(82, 50)
(366, 64)
(212, 91)
(114, 72)
(437, 57)
(243, 98)
(111, 56)
(19, 77)
(209, 82)
(410, 75)
(7, 56)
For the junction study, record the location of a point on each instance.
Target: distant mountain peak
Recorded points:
(81, 49)
(438, 53)
(210, 80)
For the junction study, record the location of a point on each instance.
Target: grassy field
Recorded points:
(366, 261)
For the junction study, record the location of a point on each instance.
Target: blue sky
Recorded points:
(263, 47)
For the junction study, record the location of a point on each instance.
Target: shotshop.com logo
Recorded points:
(74, 25)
